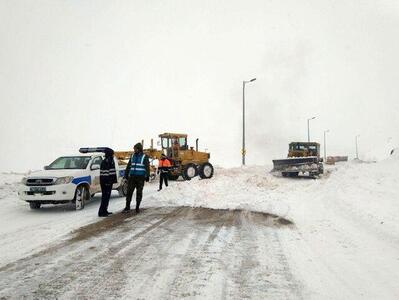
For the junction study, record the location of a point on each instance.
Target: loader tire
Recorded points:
(205, 171)
(190, 171)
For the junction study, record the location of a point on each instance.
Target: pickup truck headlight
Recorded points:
(23, 180)
(63, 180)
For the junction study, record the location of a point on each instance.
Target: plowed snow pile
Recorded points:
(8, 184)
(251, 188)
(366, 189)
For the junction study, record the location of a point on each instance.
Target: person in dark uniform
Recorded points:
(163, 170)
(107, 179)
(137, 171)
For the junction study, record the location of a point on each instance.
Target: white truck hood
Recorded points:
(57, 173)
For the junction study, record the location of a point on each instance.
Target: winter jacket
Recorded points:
(138, 165)
(107, 171)
(164, 165)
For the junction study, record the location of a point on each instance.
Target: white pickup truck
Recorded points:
(69, 179)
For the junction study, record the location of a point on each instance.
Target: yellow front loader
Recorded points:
(186, 161)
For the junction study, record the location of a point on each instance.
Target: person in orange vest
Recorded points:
(163, 170)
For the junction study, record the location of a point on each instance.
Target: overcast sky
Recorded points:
(88, 73)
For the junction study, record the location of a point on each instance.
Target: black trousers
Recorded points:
(163, 178)
(106, 190)
(135, 183)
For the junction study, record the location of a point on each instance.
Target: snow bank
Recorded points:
(9, 184)
(236, 188)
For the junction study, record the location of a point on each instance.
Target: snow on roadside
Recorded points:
(249, 188)
(9, 183)
(367, 189)
(368, 192)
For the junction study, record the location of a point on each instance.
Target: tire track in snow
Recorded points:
(51, 281)
(184, 252)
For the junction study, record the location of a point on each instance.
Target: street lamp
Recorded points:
(243, 119)
(308, 128)
(325, 147)
(357, 152)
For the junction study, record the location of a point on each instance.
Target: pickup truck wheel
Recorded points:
(82, 195)
(206, 171)
(122, 190)
(34, 205)
(190, 171)
(153, 176)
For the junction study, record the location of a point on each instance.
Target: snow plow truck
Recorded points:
(303, 159)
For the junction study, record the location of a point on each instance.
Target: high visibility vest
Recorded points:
(137, 167)
(164, 163)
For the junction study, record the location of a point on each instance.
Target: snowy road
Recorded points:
(343, 243)
(160, 254)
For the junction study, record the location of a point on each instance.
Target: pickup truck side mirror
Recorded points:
(95, 167)
(46, 168)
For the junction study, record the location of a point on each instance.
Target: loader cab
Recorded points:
(304, 149)
(173, 143)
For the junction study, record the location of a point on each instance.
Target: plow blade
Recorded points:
(296, 164)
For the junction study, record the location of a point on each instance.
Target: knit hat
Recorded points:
(139, 147)
(109, 152)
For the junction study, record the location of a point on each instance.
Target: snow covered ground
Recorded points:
(343, 244)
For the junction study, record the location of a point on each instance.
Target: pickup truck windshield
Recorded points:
(70, 162)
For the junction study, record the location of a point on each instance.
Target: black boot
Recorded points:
(127, 208)
(138, 206)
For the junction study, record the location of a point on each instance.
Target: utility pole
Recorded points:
(309, 129)
(357, 151)
(243, 151)
(325, 145)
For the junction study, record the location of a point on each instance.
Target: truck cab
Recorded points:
(304, 149)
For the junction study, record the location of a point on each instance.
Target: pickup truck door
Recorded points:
(95, 175)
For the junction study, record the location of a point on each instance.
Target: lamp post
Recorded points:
(357, 152)
(325, 145)
(243, 119)
(309, 129)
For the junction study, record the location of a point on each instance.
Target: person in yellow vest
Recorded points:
(163, 170)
